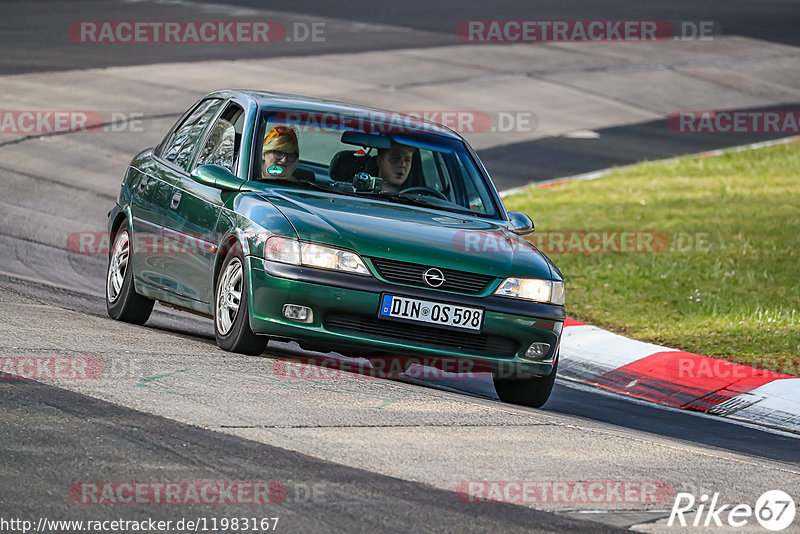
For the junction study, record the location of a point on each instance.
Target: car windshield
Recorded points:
(390, 157)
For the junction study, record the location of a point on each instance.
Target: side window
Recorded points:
(224, 141)
(476, 202)
(180, 148)
(477, 196)
(429, 169)
(434, 173)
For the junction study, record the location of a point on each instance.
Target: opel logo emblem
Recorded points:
(433, 277)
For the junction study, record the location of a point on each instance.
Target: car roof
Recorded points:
(283, 101)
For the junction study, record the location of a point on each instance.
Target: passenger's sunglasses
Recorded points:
(280, 154)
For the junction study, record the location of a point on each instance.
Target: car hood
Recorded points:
(377, 228)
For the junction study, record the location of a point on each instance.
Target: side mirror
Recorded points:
(217, 176)
(520, 223)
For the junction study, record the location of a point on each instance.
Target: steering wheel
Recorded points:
(424, 190)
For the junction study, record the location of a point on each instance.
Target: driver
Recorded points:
(280, 153)
(394, 164)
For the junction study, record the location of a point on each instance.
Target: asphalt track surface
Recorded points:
(87, 436)
(555, 157)
(33, 36)
(33, 39)
(54, 438)
(57, 434)
(388, 437)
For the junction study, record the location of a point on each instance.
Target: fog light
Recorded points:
(295, 312)
(537, 351)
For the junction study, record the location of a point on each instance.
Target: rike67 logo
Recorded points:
(774, 510)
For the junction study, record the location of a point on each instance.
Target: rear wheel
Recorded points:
(122, 301)
(532, 392)
(232, 310)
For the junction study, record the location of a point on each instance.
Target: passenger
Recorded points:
(394, 164)
(280, 153)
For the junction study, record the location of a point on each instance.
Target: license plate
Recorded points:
(436, 313)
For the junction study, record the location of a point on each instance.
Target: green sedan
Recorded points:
(340, 227)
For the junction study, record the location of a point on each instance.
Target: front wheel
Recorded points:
(532, 392)
(122, 301)
(232, 310)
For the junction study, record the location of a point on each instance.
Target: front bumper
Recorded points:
(345, 320)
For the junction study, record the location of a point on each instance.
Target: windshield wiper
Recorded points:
(421, 201)
(414, 200)
(301, 184)
(374, 194)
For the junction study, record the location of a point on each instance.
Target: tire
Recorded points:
(532, 392)
(122, 301)
(232, 312)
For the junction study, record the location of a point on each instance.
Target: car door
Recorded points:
(171, 163)
(196, 208)
(146, 222)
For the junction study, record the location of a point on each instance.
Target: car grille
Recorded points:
(480, 344)
(411, 273)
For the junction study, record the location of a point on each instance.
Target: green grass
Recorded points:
(736, 297)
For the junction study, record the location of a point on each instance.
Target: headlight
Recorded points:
(292, 251)
(283, 250)
(548, 291)
(337, 259)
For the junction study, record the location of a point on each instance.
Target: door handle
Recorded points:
(176, 199)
